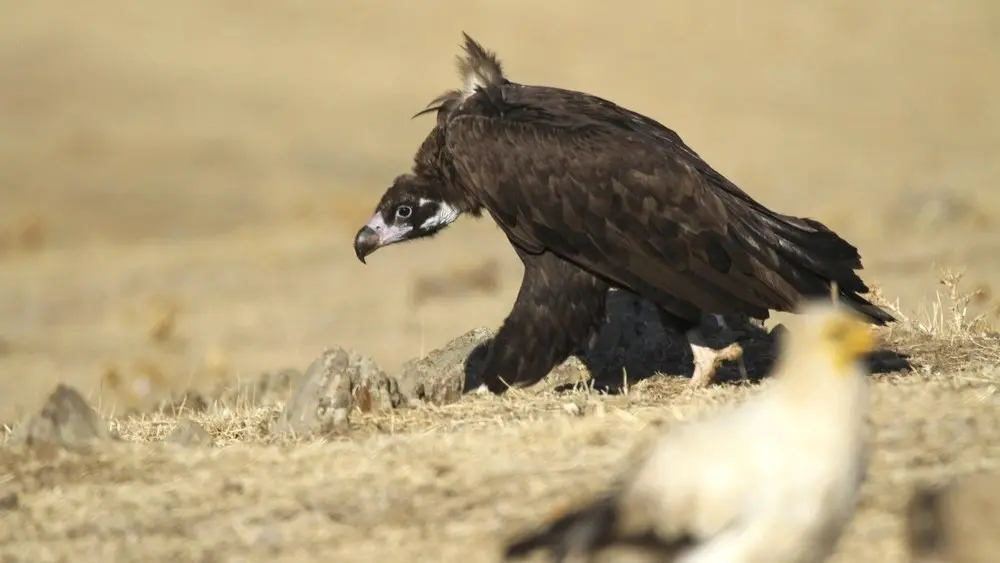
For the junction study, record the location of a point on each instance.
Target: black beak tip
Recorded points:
(365, 243)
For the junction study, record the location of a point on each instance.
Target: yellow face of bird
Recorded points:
(850, 338)
(833, 331)
(845, 336)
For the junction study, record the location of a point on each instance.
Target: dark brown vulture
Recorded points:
(593, 196)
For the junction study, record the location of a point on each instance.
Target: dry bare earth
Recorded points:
(180, 182)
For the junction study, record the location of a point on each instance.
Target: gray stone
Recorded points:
(371, 389)
(440, 377)
(65, 420)
(321, 401)
(337, 384)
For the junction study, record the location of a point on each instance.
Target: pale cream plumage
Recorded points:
(772, 480)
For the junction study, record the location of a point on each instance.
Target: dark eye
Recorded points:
(403, 211)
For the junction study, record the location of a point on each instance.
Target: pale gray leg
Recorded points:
(708, 360)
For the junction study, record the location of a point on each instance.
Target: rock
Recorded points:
(321, 401)
(956, 523)
(441, 377)
(65, 420)
(371, 389)
(573, 372)
(189, 433)
(337, 383)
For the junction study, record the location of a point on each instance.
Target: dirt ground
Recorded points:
(181, 181)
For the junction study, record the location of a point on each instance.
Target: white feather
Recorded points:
(445, 215)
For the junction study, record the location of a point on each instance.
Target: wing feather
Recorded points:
(558, 192)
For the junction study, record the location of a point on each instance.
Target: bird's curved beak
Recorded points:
(377, 234)
(365, 242)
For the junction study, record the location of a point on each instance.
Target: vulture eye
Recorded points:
(403, 211)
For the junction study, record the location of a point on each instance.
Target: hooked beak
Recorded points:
(375, 235)
(365, 242)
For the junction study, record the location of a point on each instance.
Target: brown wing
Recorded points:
(632, 211)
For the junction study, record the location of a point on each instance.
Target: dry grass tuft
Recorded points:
(949, 337)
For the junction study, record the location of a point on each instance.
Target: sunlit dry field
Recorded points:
(180, 185)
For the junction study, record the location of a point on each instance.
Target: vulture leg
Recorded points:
(707, 360)
(557, 310)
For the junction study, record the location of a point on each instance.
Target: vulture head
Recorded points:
(409, 209)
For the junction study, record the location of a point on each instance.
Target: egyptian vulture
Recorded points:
(772, 479)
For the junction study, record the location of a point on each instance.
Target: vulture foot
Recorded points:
(708, 360)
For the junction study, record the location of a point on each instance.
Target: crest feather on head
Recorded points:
(478, 68)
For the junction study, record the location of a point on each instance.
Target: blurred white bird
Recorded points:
(772, 480)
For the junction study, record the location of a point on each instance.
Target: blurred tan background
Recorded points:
(181, 180)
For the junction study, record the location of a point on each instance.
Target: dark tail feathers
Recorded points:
(825, 257)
